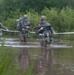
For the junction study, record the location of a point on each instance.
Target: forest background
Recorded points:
(60, 13)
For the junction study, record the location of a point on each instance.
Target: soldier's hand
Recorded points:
(22, 29)
(54, 34)
(27, 27)
(41, 28)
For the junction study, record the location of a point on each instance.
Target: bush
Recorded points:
(61, 20)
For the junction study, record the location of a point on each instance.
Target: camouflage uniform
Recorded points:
(46, 26)
(22, 26)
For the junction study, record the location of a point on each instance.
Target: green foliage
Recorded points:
(8, 65)
(62, 20)
(10, 23)
(66, 17)
(59, 13)
(9, 5)
(7, 62)
(52, 16)
(34, 18)
(37, 5)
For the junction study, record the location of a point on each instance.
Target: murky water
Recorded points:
(54, 60)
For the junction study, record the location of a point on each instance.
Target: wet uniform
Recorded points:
(46, 26)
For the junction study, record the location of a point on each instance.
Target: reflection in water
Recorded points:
(62, 64)
(45, 60)
(24, 58)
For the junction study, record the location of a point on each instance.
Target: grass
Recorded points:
(8, 64)
(7, 60)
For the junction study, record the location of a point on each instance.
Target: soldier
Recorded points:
(23, 25)
(26, 21)
(26, 24)
(43, 25)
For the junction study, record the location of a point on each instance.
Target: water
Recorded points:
(54, 60)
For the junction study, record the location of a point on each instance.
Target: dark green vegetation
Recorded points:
(60, 13)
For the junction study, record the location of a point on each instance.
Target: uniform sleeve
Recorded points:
(29, 24)
(3, 27)
(53, 31)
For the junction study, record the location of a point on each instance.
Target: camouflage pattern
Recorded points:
(27, 23)
(22, 24)
(46, 26)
